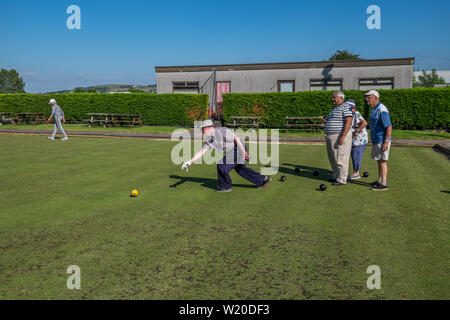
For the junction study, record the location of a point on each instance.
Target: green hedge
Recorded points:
(155, 109)
(408, 108)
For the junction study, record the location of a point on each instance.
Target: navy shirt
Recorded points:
(379, 121)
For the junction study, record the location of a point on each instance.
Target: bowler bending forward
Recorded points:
(224, 140)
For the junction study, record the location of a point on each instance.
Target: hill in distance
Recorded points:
(108, 88)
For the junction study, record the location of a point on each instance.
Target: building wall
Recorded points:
(255, 81)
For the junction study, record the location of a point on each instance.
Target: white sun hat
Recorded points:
(52, 101)
(207, 123)
(372, 93)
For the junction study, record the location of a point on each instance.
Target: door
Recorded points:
(222, 87)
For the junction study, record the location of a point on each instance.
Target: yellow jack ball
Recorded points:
(134, 193)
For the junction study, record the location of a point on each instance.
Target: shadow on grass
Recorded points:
(361, 183)
(445, 191)
(308, 172)
(205, 182)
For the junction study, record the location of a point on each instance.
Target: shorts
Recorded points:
(377, 151)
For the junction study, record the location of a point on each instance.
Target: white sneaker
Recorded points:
(50, 138)
(64, 139)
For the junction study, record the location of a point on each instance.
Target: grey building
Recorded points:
(285, 77)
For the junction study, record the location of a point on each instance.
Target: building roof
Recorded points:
(289, 65)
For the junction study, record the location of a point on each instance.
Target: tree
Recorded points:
(428, 79)
(79, 90)
(10, 82)
(134, 89)
(92, 90)
(415, 83)
(344, 55)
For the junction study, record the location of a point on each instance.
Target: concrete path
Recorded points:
(166, 136)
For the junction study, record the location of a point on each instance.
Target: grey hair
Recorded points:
(339, 94)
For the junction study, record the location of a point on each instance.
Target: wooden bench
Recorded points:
(304, 123)
(241, 121)
(31, 117)
(98, 118)
(99, 122)
(112, 119)
(6, 117)
(124, 118)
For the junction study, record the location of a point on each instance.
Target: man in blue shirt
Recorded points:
(380, 134)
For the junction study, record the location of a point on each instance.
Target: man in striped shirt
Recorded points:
(339, 138)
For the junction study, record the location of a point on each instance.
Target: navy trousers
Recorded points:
(224, 169)
(357, 155)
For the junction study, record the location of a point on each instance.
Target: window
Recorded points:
(185, 87)
(379, 83)
(286, 85)
(323, 84)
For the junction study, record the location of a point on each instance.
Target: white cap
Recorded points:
(372, 92)
(207, 123)
(52, 101)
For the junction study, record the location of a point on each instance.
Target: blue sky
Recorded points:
(122, 41)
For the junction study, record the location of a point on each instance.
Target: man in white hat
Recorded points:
(380, 134)
(59, 117)
(224, 140)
